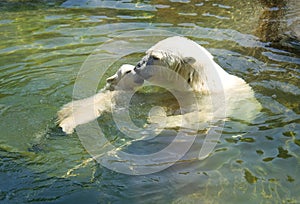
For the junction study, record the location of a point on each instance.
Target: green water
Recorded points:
(43, 45)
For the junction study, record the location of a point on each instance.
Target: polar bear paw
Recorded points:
(68, 125)
(65, 120)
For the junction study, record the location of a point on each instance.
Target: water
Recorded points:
(43, 45)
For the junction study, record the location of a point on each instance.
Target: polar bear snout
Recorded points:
(124, 79)
(146, 67)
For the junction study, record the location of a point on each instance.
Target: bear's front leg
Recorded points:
(83, 111)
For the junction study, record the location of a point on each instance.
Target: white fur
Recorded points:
(124, 79)
(83, 111)
(210, 73)
(209, 79)
(196, 65)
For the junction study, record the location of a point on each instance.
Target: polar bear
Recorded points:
(202, 74)
(85, 110)
(192, 64)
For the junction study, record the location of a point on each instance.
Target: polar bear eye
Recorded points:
(138, 65)
(127, 72)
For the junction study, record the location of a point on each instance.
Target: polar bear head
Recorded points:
(186, 60)
(124, 79)
(167, 67)
(163, 59)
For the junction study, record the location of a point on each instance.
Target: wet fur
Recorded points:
(196, 66)
(85, 110)
(192, 62)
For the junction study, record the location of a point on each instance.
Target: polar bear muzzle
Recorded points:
(143, 68)
(124, 79)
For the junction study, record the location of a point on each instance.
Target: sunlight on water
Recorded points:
(43, 46)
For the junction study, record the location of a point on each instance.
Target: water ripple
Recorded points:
(41, 51)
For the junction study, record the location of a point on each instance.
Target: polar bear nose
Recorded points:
(138, 70)
(139, 65)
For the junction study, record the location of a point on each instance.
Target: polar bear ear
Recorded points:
(157, 55)
(189, 60)
(112, 78)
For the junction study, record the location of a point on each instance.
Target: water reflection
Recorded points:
(19, 5)
(279, 24)
(42, 50)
